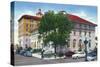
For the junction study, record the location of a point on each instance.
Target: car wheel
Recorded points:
(77, 57)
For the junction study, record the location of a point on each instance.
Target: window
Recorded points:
(34, 44)
(74, 43)
(31, 26)
(85, 26)
(80, 45)
(89, 43)
(80, 26)
(26, 46)
(74, 32)
(26, 27)
(68, 43)
(88, 27)
(80, 32)
(31, 20)
(85, 33)
(19, 42)
(26, 40)
(96, 38)
(89, 34)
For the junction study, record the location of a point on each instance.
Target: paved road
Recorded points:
(21, 60)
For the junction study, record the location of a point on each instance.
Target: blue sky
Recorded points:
(87, 12)
(31, 8)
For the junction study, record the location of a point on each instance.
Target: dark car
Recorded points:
(22, 52)
(91, 56)
(28, 54)
(69, 54)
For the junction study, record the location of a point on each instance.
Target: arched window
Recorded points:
(80, 32)
(26, 46)
(74, 32)
(74, 43)
(34, 44)
(89, 34)
(85, 33)
(80, 45)
(89, 43)
(68, 43)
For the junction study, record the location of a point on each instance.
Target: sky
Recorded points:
(31, 8)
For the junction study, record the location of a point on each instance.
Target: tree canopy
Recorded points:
(55, 27)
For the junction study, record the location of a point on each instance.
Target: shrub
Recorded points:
(29, 49)
(36, 50)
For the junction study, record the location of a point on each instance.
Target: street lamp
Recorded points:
(42, 52)
(85, 42)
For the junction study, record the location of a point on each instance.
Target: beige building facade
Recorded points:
(83, 30)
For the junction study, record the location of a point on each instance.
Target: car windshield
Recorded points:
(92, 54)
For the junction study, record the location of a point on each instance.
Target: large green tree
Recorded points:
(56, 28)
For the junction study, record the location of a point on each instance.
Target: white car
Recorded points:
(78, 55)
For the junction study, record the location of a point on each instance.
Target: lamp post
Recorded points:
(85, 42)
(42, 52)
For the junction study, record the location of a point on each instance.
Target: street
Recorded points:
(21, 60)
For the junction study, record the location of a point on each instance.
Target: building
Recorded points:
(83, 29)
(27, 24)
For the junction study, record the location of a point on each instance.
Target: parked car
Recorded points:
(22, 52)
(28, 54)
(92, 56)
(78, 55)
(78, 52)
(69, 54)
(25, 53)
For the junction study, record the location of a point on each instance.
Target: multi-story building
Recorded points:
(26, 26)
(83, 29)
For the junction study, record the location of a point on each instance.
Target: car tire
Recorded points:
(77, 57)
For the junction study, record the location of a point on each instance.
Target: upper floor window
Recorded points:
(89, 43)
(88, 27)
(80, 26)
(80, 46)
(31, 20)
(85, 26)
(80, 32)
(26, 25)
(96, 38)
(68, 43)
(85, 33)
(26, 28)
(89, 34)
(74, 43)
(74, 32)
(91, 27)
(26, 40)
